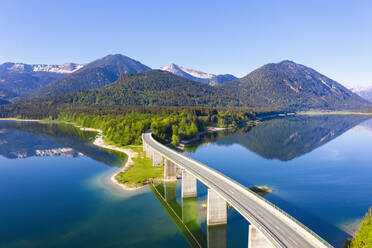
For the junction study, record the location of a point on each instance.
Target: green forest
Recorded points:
(167, 125)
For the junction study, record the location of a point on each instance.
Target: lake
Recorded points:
(55, 193)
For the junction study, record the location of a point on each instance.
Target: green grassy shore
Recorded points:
(140, 172)
(363, 236)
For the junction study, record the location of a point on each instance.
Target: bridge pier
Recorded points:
(148, 150)
(257, 240)
(170, 171)
(157, 159)
(216, 209)
(188, 185)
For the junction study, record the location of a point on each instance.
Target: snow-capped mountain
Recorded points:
(17, 79)
(196, 75)
(64, 68)
(363, 91)
(176, 68)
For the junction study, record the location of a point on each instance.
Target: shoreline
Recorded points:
(99, 141)
(21, 120)
(183, 143)
(318, 113)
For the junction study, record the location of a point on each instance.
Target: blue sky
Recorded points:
(333, 37)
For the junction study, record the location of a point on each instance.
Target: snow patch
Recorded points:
(64, 68)
(176, 69)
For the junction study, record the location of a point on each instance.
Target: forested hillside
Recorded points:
(150, 88)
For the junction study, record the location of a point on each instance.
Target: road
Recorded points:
(281, 231)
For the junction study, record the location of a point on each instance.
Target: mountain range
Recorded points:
(120, 80)
(17, 79)
(198, 76)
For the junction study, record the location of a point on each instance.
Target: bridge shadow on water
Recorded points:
(189, 215)
(184, 215)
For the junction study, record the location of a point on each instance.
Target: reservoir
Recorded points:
(54, 191)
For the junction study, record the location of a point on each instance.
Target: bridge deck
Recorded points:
(279, 229)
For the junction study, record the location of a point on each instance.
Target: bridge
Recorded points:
(269, 225)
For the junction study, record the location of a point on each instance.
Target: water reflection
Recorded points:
(34, 139)
(184, 215)
(285, 138)
(217, 236)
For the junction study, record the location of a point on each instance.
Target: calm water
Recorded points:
(320, 168)
(53, 193)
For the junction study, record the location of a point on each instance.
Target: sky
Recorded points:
(332, 36)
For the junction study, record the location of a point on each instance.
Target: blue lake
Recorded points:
(319, 168)
(53, 192)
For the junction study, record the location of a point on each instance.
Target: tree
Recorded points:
(175, 140)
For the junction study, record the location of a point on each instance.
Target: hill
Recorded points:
(151, 88)
(198, 76)
(17, 79)
(93, 75)
(294, 86)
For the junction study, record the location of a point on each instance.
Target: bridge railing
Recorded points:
(252, 192)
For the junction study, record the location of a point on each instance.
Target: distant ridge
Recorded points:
(198, 76)
(363, 91)
(96, 74)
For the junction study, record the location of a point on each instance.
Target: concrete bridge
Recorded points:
(269, 225)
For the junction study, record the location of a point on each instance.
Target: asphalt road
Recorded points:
(250, 206)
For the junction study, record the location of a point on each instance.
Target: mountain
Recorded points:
(294, 86)
(363, 91)
(96, 74)
(198, 76)
(17, 79)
